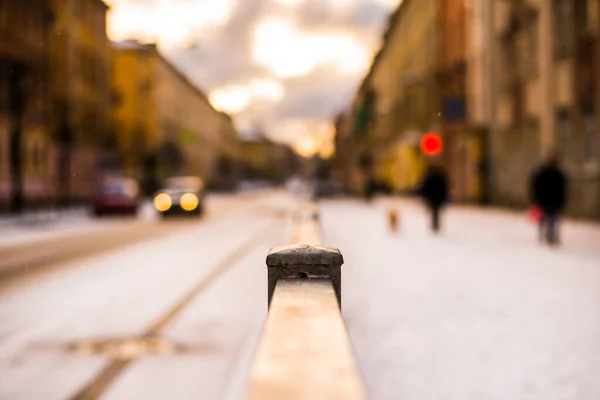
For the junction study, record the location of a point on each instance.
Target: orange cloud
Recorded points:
(287, 52)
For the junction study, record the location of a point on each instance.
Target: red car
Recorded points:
(117, 197)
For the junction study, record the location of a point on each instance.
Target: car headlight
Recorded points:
(162, 202)
(189, 201)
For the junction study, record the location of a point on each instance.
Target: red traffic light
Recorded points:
(432, 144)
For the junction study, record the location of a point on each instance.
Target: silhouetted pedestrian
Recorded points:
(548, 189)
(434, 191)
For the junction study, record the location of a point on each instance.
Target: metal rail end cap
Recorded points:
(304, 254)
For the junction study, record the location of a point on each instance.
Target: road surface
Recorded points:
(155, 309)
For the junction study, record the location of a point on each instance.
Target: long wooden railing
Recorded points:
(304, 351)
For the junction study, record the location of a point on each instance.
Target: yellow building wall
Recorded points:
(81, 53)
(407, 67)
(184, 115)
(409, 166)
(27, 45)
(158, 105)
(80, 84)
(133, 113)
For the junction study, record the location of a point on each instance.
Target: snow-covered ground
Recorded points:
(19, 230)
(41, 217)
(482, 311)
(122, 294)
(44, 225)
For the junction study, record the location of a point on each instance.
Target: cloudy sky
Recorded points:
(287, 66)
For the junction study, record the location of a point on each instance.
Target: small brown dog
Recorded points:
(393, 220)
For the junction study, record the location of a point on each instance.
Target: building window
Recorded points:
(37, 157)
(100, 26)
(532, 45)
(3, 13)
(563, 28)
(591, 137)
(581, 17)
(564, 132)
(409, 107)
(397, 116)
(78, 9)
(508, 59)
(43, 158)
(30, 156)
(4, 90)
(3, 153)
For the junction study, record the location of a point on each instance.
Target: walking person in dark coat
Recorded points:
(434, 191)
(548, 189)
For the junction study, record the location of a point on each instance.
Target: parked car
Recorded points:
(117, 196)
(183, 195)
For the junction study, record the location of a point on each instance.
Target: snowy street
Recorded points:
(179, 305)
(147, 309)
(481, 312)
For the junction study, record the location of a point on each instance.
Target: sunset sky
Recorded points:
(285, 65)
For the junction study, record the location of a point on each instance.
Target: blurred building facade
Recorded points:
(505, 83)
(398, 99)
(478, 81)
(263, 159)
(73, 109)
(360, 117)
(522, 97)
(80, 96)
(25, 141)
(55, 87)
(546, 98)
(165, 125)
(341, 162)
(464, 143)
(226, 172)
(416, 107)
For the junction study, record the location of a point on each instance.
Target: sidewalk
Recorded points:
(482, 309)
(41, 217)
(501, 225)
(41, 225)
(48, 224)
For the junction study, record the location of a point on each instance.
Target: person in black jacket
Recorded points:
(434, 190)
(548, 189)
